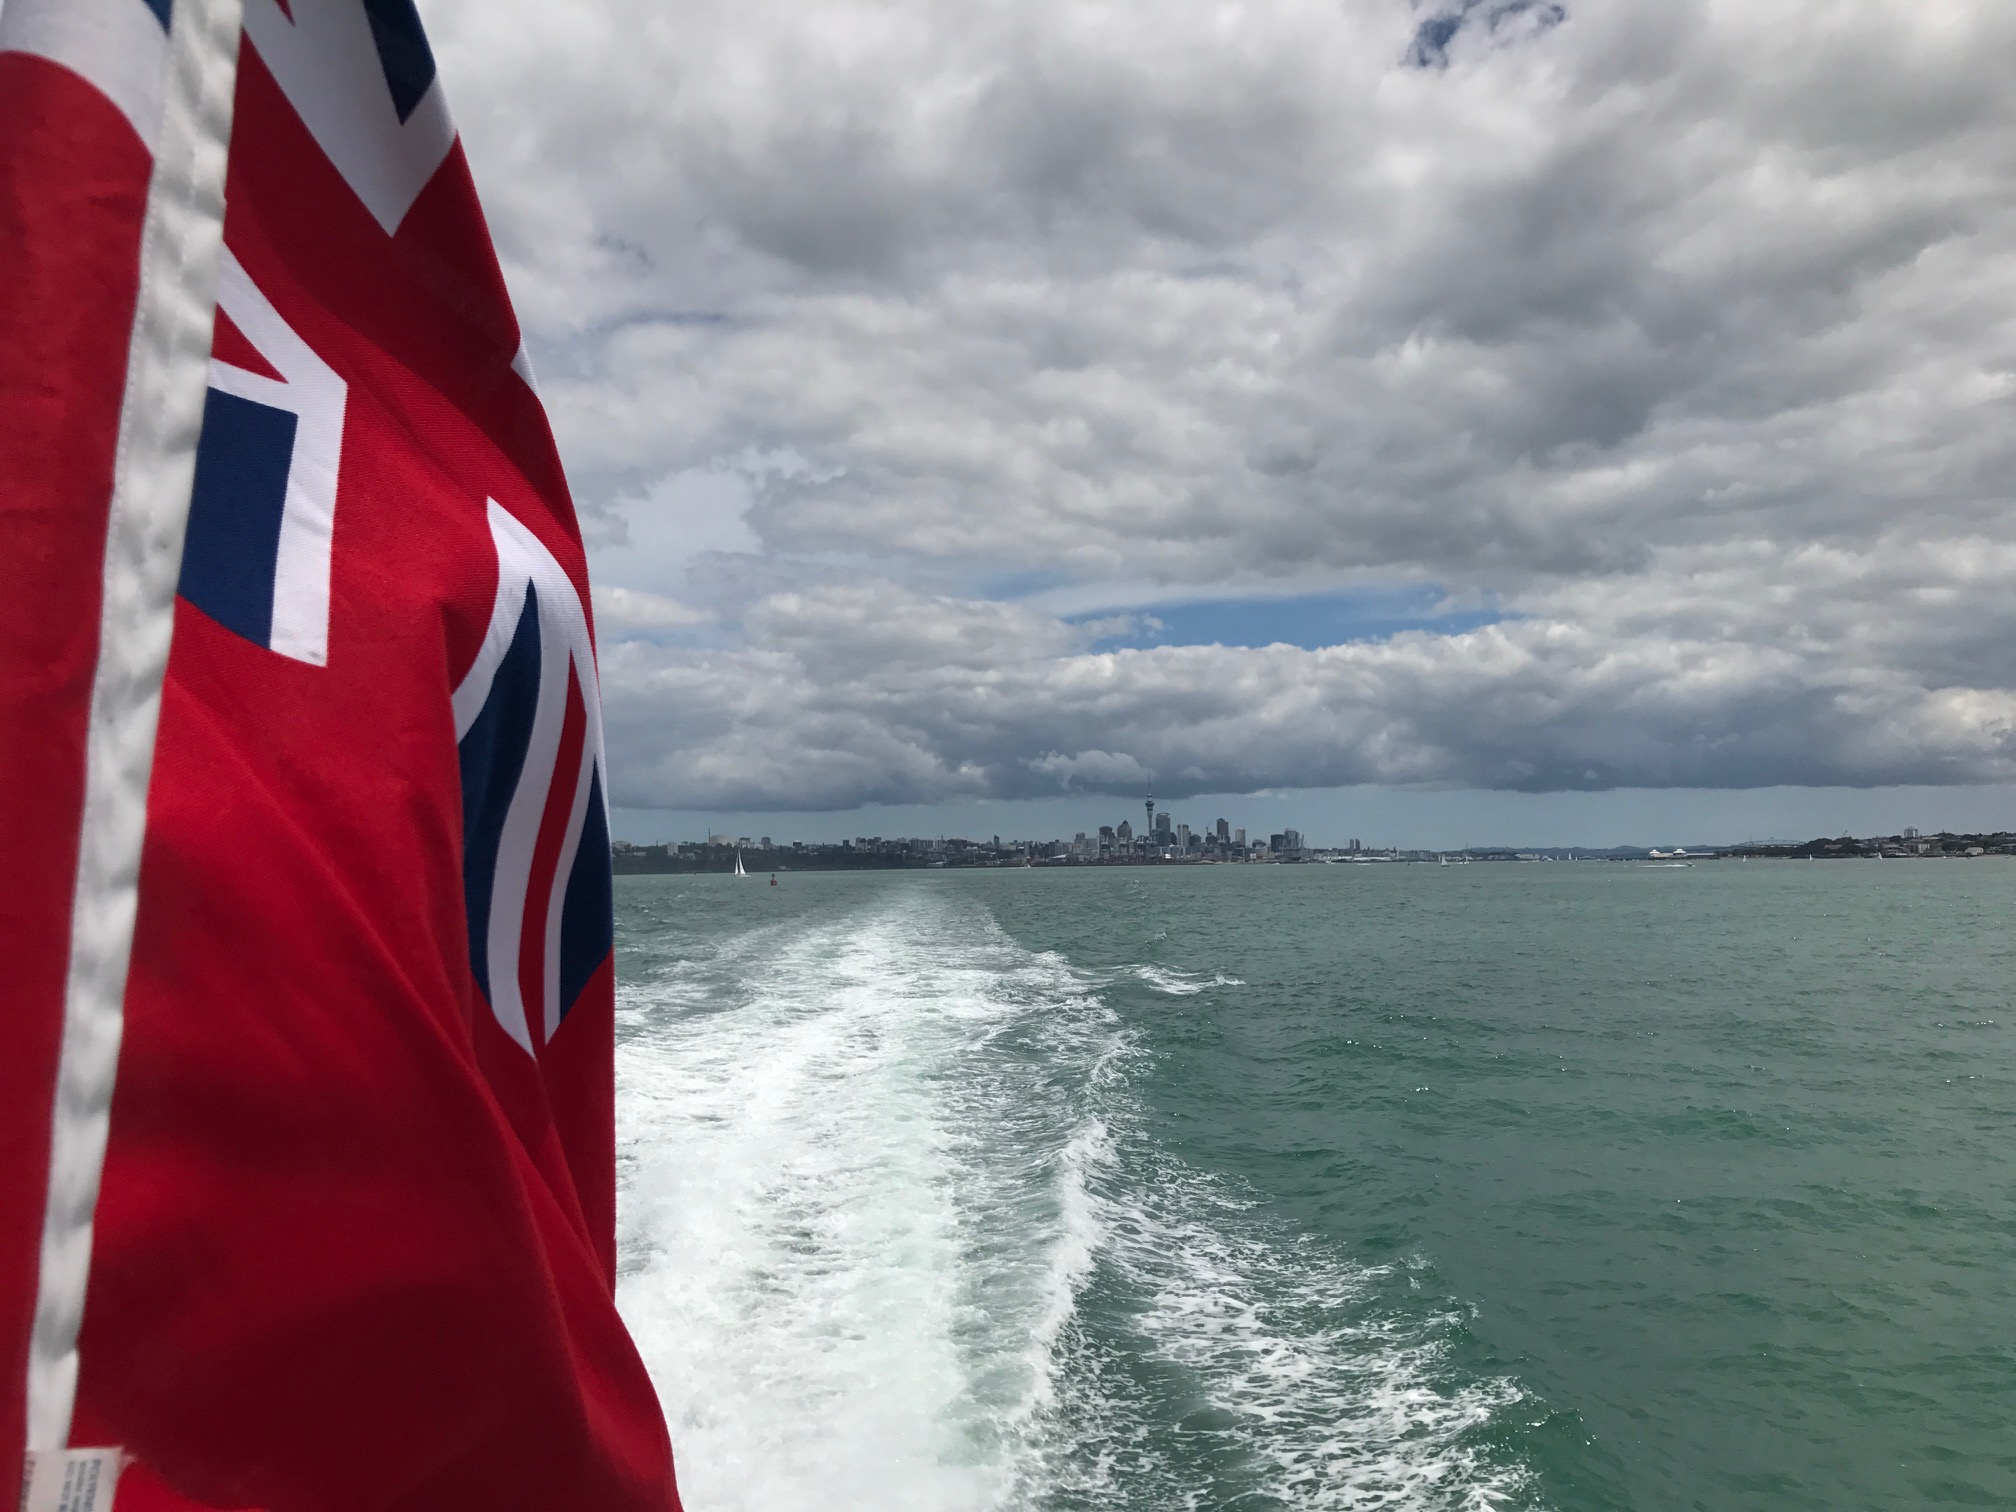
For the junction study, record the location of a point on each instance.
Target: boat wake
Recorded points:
(1175, 982)
(894, 1235)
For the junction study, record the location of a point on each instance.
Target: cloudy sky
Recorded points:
(1540, 414)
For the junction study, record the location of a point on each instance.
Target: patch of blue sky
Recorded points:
(1310, 621)
(1028, 584)
(1498, 18)
(717, 635)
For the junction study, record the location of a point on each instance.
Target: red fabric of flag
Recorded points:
(73, 187)
(354, 1242)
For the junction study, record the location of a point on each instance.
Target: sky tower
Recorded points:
(1151, 812)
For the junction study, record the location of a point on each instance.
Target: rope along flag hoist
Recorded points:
(307, 1171)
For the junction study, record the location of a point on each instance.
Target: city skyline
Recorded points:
(1423, 820)
(1177, 844)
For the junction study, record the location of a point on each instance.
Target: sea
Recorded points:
(1573, 1186)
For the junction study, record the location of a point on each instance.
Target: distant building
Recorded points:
(1164, 841)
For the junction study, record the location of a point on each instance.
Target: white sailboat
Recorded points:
(739, 871)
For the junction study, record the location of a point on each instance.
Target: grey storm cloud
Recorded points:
(869, 692)
(1684, 332)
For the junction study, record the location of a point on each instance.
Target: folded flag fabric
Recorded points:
(307, 1171)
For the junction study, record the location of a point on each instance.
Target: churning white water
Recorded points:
(893, 1238)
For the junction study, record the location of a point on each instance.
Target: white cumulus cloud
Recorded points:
(1685, 333)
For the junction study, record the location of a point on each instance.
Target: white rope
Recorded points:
(167, 376)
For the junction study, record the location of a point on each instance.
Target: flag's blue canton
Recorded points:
(163, 10)
(402, 52)
(588, 917)
(493, 759)
(513, 749)
(230, 557)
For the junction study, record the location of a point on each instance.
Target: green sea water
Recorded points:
(1571, 1186)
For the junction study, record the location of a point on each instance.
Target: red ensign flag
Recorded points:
(307, 1175)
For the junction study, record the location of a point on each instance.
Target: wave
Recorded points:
(1297, 1377)
(1176, 982)
(895, 1235)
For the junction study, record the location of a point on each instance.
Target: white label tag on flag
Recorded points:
(71, 1480)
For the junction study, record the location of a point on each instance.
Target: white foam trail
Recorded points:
(842, 1245)
(1177, 982)
(893, 1237)
(1340, 1402)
